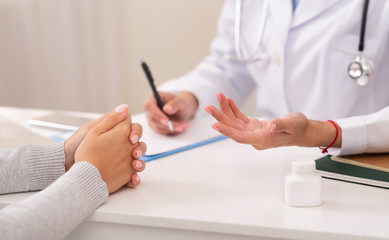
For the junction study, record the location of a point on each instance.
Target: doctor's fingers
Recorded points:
(152, 109)
(156, 125)
(236, 111)
(259, 140)
(176, 104)
(162, 127)
(223, 118)
(245, 137)
(224, 106)
(178, 127)
(289, 123)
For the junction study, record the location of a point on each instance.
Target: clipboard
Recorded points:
(198, 134)
(148, 158)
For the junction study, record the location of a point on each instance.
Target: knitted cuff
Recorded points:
(46, 164)
(92, 185)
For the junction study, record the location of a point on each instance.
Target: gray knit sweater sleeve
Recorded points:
(53, 212)
(30, 167)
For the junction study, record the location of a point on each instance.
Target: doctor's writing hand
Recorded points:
(181, 108)
(293, 129)
(74, 141)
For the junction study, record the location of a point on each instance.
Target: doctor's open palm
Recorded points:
(290, 130)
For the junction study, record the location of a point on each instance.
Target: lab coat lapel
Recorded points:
(280, 17)
(309, 9)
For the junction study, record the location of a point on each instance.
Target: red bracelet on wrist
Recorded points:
(325, 149)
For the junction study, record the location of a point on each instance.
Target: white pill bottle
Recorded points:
(303, 186)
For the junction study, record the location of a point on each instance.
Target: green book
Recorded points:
(331, 169)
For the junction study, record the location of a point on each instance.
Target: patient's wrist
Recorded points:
(69, 156)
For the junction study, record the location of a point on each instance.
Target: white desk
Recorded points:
(229, 191)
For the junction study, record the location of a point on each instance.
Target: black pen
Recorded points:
(155, 92)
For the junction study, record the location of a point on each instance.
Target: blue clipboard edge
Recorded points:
(148, 158)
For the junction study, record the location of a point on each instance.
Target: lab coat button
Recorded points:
(277, 60)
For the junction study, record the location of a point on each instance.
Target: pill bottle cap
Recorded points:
(304, 165)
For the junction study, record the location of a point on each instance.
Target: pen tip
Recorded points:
(141, 60)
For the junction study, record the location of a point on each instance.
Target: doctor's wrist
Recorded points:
(323, 134)
(192, 102)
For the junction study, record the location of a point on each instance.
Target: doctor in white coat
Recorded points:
(296, 56)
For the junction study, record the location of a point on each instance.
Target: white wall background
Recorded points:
(84, 54)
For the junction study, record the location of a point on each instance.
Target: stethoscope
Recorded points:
(251, 57)
(361, 69)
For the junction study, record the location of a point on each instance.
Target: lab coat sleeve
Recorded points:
(214, 74)
(365, 134)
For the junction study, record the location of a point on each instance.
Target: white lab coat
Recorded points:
(309, 51)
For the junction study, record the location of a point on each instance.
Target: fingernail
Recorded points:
(273, 127)
(215, 127)
(139, 153)
(164, 121)
(121, 108)
(134, 139)
(137, 179)
(208, 110)
(138, 164)
(179, 129)
(219, 97)
(168, 108)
